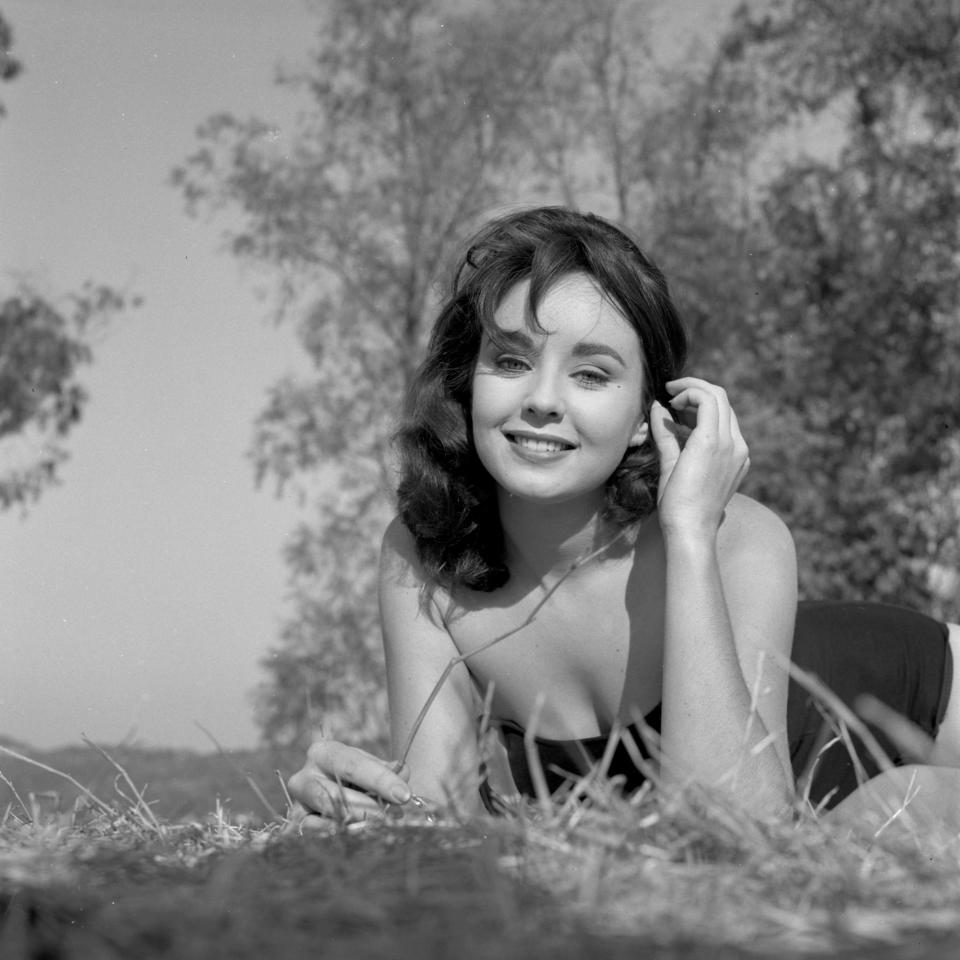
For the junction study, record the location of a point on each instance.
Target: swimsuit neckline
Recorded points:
(651, 718)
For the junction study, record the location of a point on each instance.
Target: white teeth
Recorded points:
(539, 446)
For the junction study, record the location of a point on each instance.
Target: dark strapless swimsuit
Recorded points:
(900, 656)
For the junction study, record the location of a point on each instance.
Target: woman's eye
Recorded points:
(511, 364)
(592, 378)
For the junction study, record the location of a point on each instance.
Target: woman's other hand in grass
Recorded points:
(343, 784)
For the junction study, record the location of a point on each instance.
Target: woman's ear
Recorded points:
(641, 433)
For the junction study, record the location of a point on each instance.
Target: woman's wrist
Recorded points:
(690, 540)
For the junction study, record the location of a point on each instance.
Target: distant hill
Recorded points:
(180, 784)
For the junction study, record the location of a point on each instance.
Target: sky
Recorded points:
(137, 598)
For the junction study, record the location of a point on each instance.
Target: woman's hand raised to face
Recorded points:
(698, 478)
(340, 783)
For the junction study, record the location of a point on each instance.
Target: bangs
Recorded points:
(546, 266)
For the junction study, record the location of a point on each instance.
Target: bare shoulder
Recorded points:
(402, 577)
(398, 554)
(750, 529)
(400, 564)
(758, 564)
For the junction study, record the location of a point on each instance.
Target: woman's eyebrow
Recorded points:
(521, 340)
(515, 339)
(588, 348)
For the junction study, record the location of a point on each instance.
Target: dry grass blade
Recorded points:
(89, 794)
(142, 808)
(254, 786)
(16, 796)
(283, 787)
(651, 741)
(914, 742)
(540, 788)
(812, 684)
(486, 714)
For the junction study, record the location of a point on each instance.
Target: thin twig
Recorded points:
(456, 661)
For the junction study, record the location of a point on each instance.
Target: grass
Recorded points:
(592, 874)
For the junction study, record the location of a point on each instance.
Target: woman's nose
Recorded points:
(544, 398)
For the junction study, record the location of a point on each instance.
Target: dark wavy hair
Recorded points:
(446, 498)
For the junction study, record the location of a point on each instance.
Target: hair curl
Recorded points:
(446, 498)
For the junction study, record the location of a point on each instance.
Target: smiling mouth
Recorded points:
(537, 445)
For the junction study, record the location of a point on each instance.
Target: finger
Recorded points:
(357, 768)
(313, 822)
(315, 793)
(677, 386)
(401, 770)
(735, 432)
(334, 800)
(740, 446)
(664, 432)
(306, 821)
(700, 409)
(297, 816)
(694, 395)
(682, 383)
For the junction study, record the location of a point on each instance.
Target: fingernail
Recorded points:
(400, 794)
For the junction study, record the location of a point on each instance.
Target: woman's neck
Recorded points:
(543, 541)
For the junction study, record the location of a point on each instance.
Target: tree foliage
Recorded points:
(10, 66)
(417, 111)
(820, 286)
(854, 332)
(40, 397)
(42, 348)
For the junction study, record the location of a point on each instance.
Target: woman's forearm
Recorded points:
(710, 733)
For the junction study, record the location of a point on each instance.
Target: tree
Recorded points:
(664, 147)
(10, 66)
(853, 329)
(42, 349)
(41, 398)
(424, 115)
(419, 111)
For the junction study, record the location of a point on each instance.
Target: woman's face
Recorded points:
(554, 411)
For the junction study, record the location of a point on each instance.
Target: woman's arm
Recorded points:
(731, 594)
(443, 757)
(341, 781)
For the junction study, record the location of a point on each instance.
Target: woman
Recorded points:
(549, 423)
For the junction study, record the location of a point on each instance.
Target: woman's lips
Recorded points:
(537, 444)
